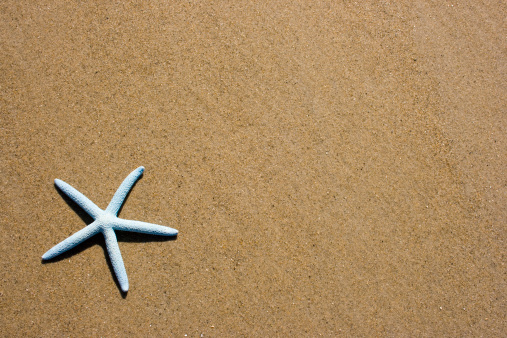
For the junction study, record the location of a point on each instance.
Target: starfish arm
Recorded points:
(115, 256)
(72, 241)
(81, 200)
(143, 227)
(119, 197)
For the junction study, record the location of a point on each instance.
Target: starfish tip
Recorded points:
(60, 184)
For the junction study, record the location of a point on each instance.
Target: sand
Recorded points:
(333, 169)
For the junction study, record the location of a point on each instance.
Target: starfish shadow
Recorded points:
(122, 236)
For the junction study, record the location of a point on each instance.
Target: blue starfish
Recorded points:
(105, 221)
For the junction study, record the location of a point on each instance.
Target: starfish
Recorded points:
(106, 221)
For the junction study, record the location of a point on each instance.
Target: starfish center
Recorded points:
(106, 220)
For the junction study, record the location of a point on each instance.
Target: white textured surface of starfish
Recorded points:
(106, 221)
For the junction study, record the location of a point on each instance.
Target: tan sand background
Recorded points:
(334, 168)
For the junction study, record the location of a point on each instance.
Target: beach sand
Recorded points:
(333, 169)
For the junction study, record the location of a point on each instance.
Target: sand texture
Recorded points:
(333, 168)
